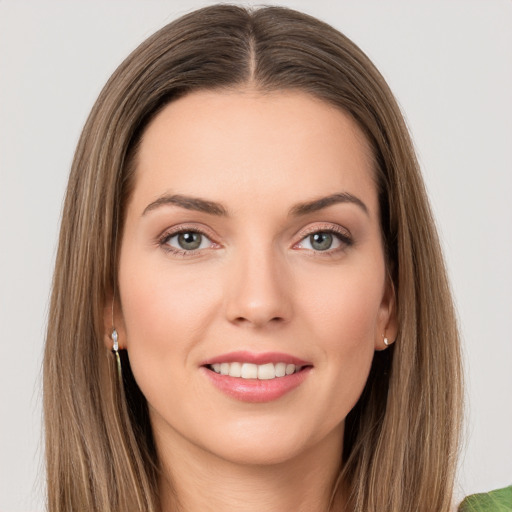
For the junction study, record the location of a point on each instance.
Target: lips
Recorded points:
(254, 377)
(254, 358)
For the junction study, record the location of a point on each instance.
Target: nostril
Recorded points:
(254, 320)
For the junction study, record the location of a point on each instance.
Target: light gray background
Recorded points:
(450, 65)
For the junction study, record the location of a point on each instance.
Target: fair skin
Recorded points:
(261, 273)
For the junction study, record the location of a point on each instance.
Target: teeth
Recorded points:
(290, 368)
(266, 371)
(280, 369)
(235, 369)
(249, 371)
(254, 371)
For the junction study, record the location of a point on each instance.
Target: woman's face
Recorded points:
(252, 280)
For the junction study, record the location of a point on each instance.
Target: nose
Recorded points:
(259, 289)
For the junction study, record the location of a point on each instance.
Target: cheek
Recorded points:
(344, 319)
(156, 296)
(344, 307)
(163, 309)
(166, 316)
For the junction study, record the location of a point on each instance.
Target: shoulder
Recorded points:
(495, 501)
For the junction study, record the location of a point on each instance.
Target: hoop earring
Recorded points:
(115, 349)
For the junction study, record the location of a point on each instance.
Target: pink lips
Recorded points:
(250, 357)
(255, 390)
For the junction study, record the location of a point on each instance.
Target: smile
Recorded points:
(250, 377)
(266, 371)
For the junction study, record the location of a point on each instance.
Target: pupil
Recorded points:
(189, 241)
(321, 241)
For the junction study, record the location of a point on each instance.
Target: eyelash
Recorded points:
(162, 241)
(342, 235)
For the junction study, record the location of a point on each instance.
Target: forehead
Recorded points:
(245, 144)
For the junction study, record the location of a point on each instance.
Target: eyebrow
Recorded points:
(189, 203)
(324, 202)
(213, 208)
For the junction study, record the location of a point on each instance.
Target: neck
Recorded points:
(197, 481)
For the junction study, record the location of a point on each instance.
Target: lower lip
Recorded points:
(255, 390)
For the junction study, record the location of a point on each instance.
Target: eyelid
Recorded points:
(184, 228)
(324, 226)
(187, 226)
(342, 233)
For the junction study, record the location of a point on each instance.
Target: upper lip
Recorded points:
(255, 358)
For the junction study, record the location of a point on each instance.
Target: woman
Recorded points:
(250, 307)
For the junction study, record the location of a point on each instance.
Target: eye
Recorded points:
(187, 241)
(325, 240)
(321, 241)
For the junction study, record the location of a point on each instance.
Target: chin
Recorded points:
(264, 443)
(259, 453)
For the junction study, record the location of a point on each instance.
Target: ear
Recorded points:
(113, 319)
(387, 322)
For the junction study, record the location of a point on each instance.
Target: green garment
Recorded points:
(495, 501)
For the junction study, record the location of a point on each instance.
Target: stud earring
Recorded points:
(386, 341)
(115, 349)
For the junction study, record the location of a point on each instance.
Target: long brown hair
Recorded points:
(401, 438)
